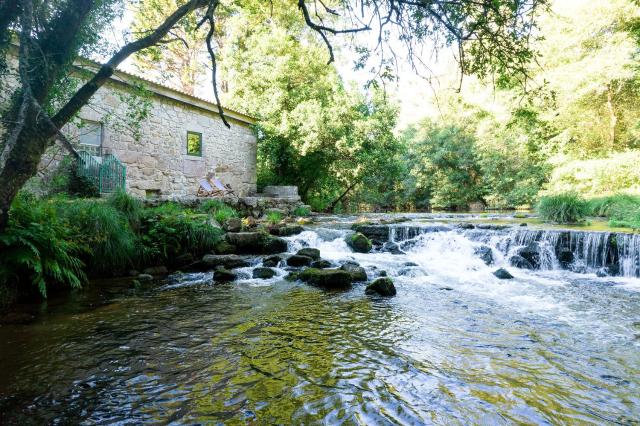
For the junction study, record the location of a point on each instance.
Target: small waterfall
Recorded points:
(628, 254)
(400, 233)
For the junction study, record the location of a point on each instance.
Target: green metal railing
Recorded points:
(109, 175)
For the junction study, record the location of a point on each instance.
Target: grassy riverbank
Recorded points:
(620, 210)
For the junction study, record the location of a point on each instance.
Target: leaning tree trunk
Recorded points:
(22, 158)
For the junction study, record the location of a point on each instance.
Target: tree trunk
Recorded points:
(613, 119)
(344, 194)
(23, 159)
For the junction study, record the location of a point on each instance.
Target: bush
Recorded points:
(166, 236)
(39, 248)
(621, 209)
(129, 206)
(274, 217)
(224, 213)
(211, 206)
(301, 211)
(104, 231)
(562, 208)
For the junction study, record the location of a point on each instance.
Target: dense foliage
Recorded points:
(563, 208)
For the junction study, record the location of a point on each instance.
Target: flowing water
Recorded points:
(455, 346)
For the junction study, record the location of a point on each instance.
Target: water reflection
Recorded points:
(287, 353)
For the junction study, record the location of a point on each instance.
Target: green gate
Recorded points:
(107, 173)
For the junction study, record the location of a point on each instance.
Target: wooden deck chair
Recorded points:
(206, 190)
(225, 189)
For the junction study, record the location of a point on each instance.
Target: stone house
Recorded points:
(181, 140)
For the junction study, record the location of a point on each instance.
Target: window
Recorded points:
(194, 144)
(90, 136)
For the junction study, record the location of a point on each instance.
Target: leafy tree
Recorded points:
(491, 37)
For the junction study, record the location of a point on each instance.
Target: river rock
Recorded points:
(465, 225)
(256, 243)
(228, 261)
(376, 233)
(565, 257)
(223, 247)
(327, 278)
(144, 278)
(182, 260)
(232, 224)
(503, 274)
(271, 261)
(359, 243)
(410, 264)
(156, 270)
(485, 253)
(298, 260)
(223, 275)
(382, 286)
(392, 248)
(263, 273)
(321, 264)
(356, 271)
(286, 231)
(309, 252)
(520, 262)
(531, 253)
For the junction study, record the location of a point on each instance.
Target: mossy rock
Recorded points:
(309, 252)
(224, 275)
(382, 286)
(359, 243)
(357, 272)
(298, 260)
(263, 273)
(223, 247)
(256, 243)
(326, 278)
(271, 261)
(321, 264)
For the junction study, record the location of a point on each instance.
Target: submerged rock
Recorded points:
(531, 253)
(263, 273)
(392, 248)
(359, 243)
(485, 253)
(327, 278)
(228, 261)
(256, 243)
(298, 260)
(382, 286)
(271, 261)
(309, 252)
(321, 264)
(223, 275)
(465, 225)
(503, 274)
(520, 262)
(356, 271)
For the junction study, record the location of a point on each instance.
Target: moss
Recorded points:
(328, 278)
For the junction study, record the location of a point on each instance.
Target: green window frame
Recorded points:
(194, 144)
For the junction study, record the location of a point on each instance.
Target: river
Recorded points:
(455, 346)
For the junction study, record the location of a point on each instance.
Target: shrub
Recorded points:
(166, 236)
(211, 206)
(301, 211)
(129, 206)
(38, 247)
(104, 231)
(274, 217)
(224, 213)
(562, 208)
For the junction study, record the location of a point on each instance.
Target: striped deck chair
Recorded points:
(225, 189)
(206, 190)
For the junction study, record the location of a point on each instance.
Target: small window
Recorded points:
(90, 133)
(194, 144)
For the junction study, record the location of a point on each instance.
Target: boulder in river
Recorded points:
(287, 230)
(327, 278)
(223, 275)
(357, 272)
(382, 286)
(392, 248)
(144, 278)
(565, 257)
(485, 253)
(228, 261)
(298, 260)
(271, 261)
(256, 243)
(359, 243)
(321, 264)
(520, 262)
(531, 253)
(503, 274)
(313, 253)
(263, 273)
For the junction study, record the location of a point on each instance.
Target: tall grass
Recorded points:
(128, 205)
(301, 211)
(220, 211)
(563, 208)
(621, 209)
